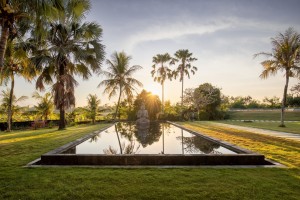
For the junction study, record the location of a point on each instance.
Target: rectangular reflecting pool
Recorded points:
(159, 138)
(156, 144)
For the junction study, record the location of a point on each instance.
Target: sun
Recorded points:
(154, 89)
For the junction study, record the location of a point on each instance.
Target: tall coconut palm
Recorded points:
(16, 64)
(45, 104)
(9, 104)
(93, 105)
(284, 57)
(185, 59)
(70, 48)
(119, 78)
(161, 71)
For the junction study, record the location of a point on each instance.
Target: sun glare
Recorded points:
(154, 89)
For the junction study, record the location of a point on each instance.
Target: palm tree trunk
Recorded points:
(62, 118)
(62, 112)
(182, 76)
(3, 42)
(284, 98)
(93, 119)
(9, 109)
(162, 98)
(117, 109)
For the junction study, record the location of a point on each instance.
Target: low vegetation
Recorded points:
(19, 148)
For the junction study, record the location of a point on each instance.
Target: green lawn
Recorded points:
(291, 127)
(19, 148)
(263, 115)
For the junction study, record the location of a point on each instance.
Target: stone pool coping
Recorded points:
(243, 158)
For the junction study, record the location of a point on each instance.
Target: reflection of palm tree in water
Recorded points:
(116, 130)
(163, 127)
(95, 138)
(124, 149)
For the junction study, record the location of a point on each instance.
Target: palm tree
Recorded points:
(18, 16)
(45, 105)
(70, 48)
(93, 105)
(184, 57)
(119, 77)
(161, 72)
(9, 105)
(16, 63)
(10, 14)
(284, 57)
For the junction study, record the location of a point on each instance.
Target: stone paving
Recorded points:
(290, 136)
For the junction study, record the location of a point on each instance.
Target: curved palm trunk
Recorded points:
(117, 109)
(3, 42)
(9, 109)
(284, 98)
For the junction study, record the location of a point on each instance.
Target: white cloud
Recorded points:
(175, 30)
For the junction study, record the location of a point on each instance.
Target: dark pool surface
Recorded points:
(158, 138)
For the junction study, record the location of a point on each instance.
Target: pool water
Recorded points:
(158, 138)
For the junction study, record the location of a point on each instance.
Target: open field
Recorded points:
(19, 148)
(263, 115)
(291, 127)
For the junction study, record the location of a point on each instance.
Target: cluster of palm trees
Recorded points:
(161, 69)
(48, 40)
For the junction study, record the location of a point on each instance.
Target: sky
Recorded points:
(222, 34)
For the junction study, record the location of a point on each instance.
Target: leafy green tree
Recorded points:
(70, 48)
(240, 102)
(45, 105)
(296, 90)
(172, 112)
(161, 72)
(10, 103)
(273, 102)
(152, 104)
(284, 57)
(93, 106)
(119, 78)
(207, 98)
(184, 59)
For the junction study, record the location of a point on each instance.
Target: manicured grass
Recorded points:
(16, 182)
(291, 127)
(263, 115)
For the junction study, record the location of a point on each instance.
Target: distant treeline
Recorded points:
(249, 103)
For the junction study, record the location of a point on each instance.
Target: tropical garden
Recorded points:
(49, 44)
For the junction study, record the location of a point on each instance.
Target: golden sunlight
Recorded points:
(154, 89)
